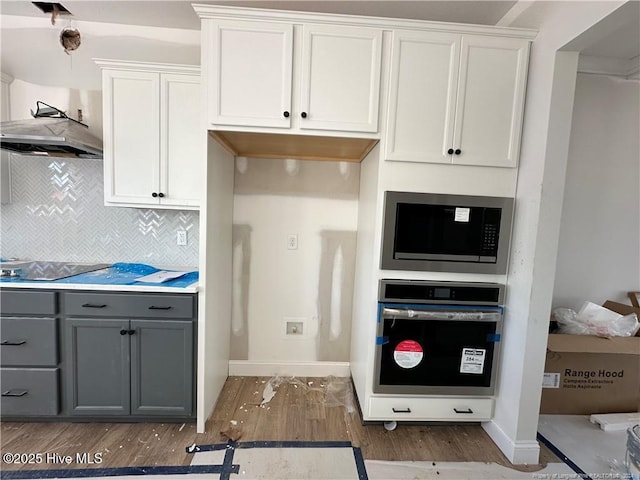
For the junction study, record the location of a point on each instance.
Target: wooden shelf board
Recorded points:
(301, 147)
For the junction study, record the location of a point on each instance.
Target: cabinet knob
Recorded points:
(286, 114)
(131, 332)
(458, 151)
(303, 114)
(450, 151)
(161, 195)
(154, 194)
(123, 332)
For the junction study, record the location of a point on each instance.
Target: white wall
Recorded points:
(545, 145)
(23, 97)
(318, 202)
(598, 255)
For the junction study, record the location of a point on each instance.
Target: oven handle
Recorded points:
(441, 314)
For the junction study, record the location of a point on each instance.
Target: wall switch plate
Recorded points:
(181, 238)
(292, 242)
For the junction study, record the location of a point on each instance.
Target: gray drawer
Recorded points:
(122, 305)
(28, 302)
(29, 391)
(29, 342)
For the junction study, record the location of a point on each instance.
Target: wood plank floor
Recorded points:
(303, 409)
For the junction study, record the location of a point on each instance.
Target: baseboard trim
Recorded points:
(518, 452)
(249, 368)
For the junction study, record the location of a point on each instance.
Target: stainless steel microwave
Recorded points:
(446, 233)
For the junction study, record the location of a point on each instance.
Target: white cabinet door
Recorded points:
(490, 104)
(340, 78)
(249, 70)
(131, 136)
(181, 136)
(424, 79)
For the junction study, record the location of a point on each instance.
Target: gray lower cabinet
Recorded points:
(29, 353)
(129, 366)
(98, 372)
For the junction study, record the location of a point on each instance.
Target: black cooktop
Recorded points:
(41, 270)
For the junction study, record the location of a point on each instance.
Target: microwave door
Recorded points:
(438, 232)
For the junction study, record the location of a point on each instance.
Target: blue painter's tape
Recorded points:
(269, 444)
(493, 337)
(362, 471)
(382, 340)
(112, 472)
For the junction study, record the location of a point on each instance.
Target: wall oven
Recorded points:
(438, 338)
(446, 233)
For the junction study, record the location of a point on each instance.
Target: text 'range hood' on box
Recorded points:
(50, 133)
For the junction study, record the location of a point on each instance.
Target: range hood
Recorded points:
(50, 133)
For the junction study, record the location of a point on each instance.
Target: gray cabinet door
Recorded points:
(97, 359)
(161, 367)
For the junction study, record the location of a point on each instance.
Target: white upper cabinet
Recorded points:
(253, 80)
(249, 82)
(152, 139)
(340, 78)
(456, 98)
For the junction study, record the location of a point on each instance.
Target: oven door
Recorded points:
(437, 349)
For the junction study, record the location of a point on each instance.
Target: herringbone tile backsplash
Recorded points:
(57, 213)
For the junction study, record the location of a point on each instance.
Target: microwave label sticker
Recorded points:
(462, 214)
(408, 354)
(472, 360)
(551, 380)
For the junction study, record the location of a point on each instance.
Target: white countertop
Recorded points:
(193, 288)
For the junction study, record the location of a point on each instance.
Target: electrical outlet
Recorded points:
(292, 242)
(295, 328)
(181, 238)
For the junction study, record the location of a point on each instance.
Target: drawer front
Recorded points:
(28, 302)
(119, 305)
(29, 342)
(29, 391)
(457, 409)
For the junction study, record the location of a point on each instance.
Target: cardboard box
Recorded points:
(622, 309)
(586, 374)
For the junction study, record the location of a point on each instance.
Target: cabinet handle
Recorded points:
(92, 305)
(15, 342)
(457, 151)
(303, 114)
(153, 307)
(161, 195)
(286, 114)
(468, 410)
(450, 151)
(11, 393)
(123, 332)
(401, 410)
(154, 194)
(131, 332)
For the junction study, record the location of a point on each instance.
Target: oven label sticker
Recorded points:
(473, 360)
(408, 354)
(462, 214)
